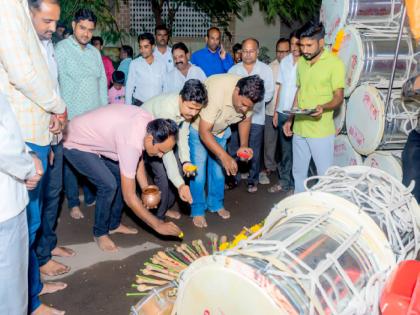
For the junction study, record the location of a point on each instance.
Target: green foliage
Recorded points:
(289, 11)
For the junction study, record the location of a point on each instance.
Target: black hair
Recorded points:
(181, 46)
(252, 87)
(253, 39)
(118, 77)
(36, 4)
(162, 129)
(236, 47)
(97, 38)
(161, 27)
(213, 28)
(312, 30)
(194, 91)
(295, 34)
(282, 40)
(147, 36)
(84, 14)
(128, 49)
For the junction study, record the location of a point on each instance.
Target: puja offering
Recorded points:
(244, 156)
(151, 196)
(191, 170)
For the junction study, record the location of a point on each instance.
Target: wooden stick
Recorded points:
(158, 275)
(198, 248)
(190, 251)
(157, 260)
(177, 256)
(164, 271)
(147, 280)
(184, 254)
(143, 287)
(203, 248)
(163, 255)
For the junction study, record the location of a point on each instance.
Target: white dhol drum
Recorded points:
(385, 199)
(340, 118)
(344, 154)
(369, 57)
(369, 128)
(388, 161)
(317, 255)
(335, 14)
(158, 302)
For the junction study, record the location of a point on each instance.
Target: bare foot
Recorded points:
(223, 213)
(124, 229)
(200, 221)
(76, 213)
(52, 287)
(53, 268)
(46, 310)
(106, 244)
(173, 214)
(62, 251)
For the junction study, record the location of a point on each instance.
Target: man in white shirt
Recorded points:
(284, 96)
(183, 71)
(162, 51)
(270, 133)
(146, 73)
(250, 65)
(17, 168)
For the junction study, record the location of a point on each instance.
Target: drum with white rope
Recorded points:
(317, 254)
(335, 14)
(369, 128)
(344, 154)
(368, 57)
(384, 198)
(388, 161)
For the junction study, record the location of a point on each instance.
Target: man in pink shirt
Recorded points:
(106, 145)
(98, 42)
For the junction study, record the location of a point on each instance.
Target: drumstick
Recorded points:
(157, 275)
(184, 254)
(190, 251)
(172, 253)
(156, 268)
(157, 260)
(203, 248)
(214, 244)
(147, 280)
(198, 248)
(164, 271)
(163, 255)
(223, 239)
(143, 287)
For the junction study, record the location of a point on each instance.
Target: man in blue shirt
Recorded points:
(213, 58)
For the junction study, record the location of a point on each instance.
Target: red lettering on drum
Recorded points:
(353, 65)
(339, 148)
(374, 163)
(353, 161)
(357, 135)
(373, 111)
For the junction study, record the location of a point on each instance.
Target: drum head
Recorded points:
(351, 53)
(340, 118)
(365, 119)
(388, 161)
(333, 15)
(344, 154)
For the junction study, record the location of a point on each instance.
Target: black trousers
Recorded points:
(411, 162)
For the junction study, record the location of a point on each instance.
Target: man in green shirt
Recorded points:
(320, 81)
(182, 108)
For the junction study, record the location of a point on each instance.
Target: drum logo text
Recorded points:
(357, 135)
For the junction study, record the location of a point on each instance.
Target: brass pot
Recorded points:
(151, 196)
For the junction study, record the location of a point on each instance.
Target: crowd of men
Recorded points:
(195, 125)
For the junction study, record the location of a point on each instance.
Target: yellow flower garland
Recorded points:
(243, 235)
(338, 41)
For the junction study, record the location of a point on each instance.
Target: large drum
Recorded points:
(335, 14)
(344, 154)
(383, 198)
(388, 161)
(340, 118)
(369, 128)
(317, 254)
(368, 58)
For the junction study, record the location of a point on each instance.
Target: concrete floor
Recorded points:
(98, 282)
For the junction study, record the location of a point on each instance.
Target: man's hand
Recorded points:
(229, 164)
(318, 113)
(187, 169)
(55, 125)
(32, 182)
(168, 228)
(185, 193)
(245, 151)
(287, 128)
(222, 52)
(276, 119)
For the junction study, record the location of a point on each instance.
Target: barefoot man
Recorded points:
(106, 145)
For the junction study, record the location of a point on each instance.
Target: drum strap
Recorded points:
(282, 266)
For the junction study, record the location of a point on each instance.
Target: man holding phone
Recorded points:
(212, 59)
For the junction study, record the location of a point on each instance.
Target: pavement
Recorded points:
(98, 281)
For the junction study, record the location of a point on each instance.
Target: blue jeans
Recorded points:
(33, 212)
(46, 237)
(208, 168)
(256, 140)
(320, 149)
(14, 265)
(410, 161)
(284, 167)
(71, 187)
(104, 174)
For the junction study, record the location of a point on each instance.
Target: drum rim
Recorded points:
(366, 149)
(348, 144)
(342, 115)
(393, 160)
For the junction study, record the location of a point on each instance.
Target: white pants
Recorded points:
(320, 149)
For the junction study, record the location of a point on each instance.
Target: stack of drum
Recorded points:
(364, 34)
